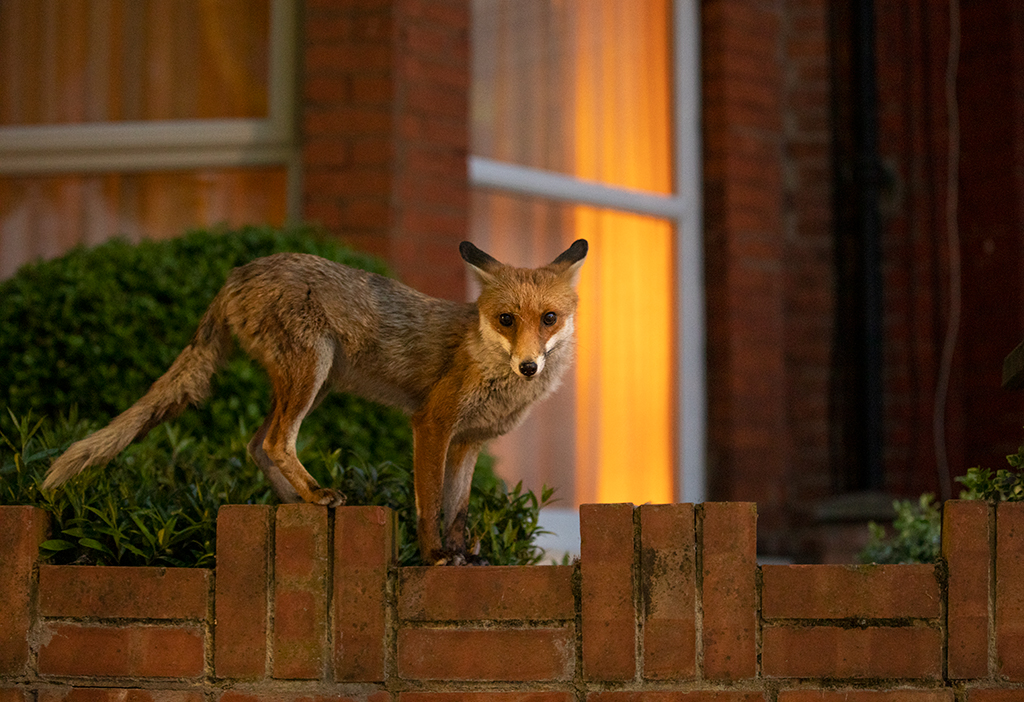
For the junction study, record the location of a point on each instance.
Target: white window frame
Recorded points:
(161, 145)
(684, 209)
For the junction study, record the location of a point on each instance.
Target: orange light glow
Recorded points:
(625, 396)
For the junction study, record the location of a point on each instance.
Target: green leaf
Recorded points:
(56, 545)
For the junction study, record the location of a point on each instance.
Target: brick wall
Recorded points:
(666, 603)
(384, 129)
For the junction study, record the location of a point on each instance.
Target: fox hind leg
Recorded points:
(282, 488)
(298, 388)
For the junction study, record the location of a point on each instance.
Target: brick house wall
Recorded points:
(773, 79)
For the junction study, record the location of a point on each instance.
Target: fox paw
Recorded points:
(457, 558)
(329, 497)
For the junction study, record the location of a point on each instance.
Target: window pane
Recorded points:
(42, 217)
(576, 86)
(64, 62)
(607, 434)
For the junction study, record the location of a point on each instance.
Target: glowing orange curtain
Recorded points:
(625, 379)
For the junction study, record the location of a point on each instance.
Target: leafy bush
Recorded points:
(916, 536)
(97, 326)
(1005, 485)
(917, 529)
(156, 503)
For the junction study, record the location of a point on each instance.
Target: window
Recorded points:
(142, 118)
(585, 123)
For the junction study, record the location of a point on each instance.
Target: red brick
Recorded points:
(729, 550)
(498, 593)
(115, 694)
(995, 696)
(866, 696)
(145, 651)
(965, 546)
(486, 697)
(300, 591)
(485, 654)
(668, 584)
(121, 592)
(240, 629)
(235, 696)
(10, 694)
(364, 549)
(841, 591)
(835, 652)
(1010, 590)
(608, 614)
(170, 652)
(666, 696)
(22, 529)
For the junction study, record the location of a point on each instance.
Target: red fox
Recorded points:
(465, 372)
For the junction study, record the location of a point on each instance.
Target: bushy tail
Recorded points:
(186, 382)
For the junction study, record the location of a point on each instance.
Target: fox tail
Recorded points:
(186, 382)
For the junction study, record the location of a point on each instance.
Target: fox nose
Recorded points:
(528, 368)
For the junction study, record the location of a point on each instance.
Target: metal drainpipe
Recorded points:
(867, 178)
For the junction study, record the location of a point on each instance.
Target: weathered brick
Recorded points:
(242, 587)
(729, 550)
(835, 652)
(1010, 590)
(485, 654)
(995, 696)
(498, 593)
(966, 548)
(850, 591)
(668, 696)
(866, 696)
(11, 694)
(235, 696)
(608, 614)
(145, 651)
(122, 592)
(668, 584)
(116, 694)
(22, 529)
(364, 549)
(300, 591)
(486, 697)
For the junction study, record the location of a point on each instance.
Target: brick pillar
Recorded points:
(385, 132)
(22, 529)
(743, 201)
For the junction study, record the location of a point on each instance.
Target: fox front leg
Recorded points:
(458, 479)
(430, 446)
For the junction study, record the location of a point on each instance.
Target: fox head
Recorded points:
(527, 312)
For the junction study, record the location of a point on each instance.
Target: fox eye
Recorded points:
(506, 319)
(550, 318)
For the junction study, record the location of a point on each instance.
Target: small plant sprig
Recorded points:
(1004, 485)
(916, 534)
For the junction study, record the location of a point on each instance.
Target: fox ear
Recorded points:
(483, 264)
(570, 261)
